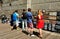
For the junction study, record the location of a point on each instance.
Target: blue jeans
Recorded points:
(24, 24)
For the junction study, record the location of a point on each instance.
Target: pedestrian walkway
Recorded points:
(6, 33)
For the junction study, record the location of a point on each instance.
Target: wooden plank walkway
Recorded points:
(6, 33)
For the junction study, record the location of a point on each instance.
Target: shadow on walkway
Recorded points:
(25, 32)
(35, 33)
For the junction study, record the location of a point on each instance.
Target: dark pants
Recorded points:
(11, 23)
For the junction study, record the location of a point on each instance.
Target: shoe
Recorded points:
(17, 29)
(12, 29)
(32, 35)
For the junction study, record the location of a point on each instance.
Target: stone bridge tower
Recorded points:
(48, 5)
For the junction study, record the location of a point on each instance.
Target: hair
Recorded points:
(16, 10)
(24, 10)
(29, 9)
(40, 12)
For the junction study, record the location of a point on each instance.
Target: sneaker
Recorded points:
(12, 29)
(17, 29)
(32, 35)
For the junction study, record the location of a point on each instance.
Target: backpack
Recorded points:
(24, 15)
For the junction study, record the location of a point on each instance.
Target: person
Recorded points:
(11, 21)
(40, 22)
(24, 20)
(3, 18)
(15, 19)
(29, 22)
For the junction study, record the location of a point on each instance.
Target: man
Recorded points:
(24, 20)
(30, 23)
(15, 19)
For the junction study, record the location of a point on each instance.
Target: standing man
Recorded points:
(15, 19)
(24, 20)
(30, 23)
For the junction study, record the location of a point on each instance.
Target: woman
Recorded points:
(40, 22)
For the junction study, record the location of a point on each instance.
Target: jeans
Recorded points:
(24, 24)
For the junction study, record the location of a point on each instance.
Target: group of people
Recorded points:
(27, 23)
